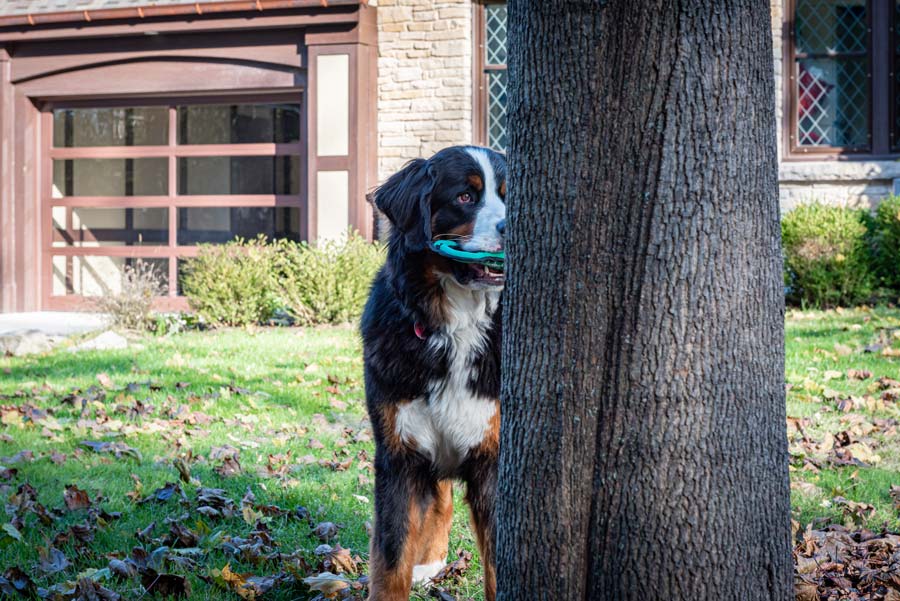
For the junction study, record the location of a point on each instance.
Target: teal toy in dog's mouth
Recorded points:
(451, 250)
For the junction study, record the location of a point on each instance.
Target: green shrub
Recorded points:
(886, 238)
(233, 284)
(827, 255)
(327, 282)
(249, 282)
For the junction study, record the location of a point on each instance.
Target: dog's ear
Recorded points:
(404, 198)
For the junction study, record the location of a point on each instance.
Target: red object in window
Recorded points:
(813, 88)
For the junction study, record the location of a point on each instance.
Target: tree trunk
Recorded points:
(643, 446)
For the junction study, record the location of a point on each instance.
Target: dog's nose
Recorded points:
(501, 226)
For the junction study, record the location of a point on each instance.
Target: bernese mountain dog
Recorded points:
(431, 340)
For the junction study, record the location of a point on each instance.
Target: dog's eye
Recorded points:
(464, 198)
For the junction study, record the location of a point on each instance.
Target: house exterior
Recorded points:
(138, 129)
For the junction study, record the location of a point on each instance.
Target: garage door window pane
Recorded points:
(239, 175)
(215, 225)
(110, 227)
(99, 276)
(110, 177)
(239, 124)
(110, 127)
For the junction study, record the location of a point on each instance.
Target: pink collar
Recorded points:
(419, 329)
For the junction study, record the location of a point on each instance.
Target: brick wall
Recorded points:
(424, 79)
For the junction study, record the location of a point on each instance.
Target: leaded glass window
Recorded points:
(832, 77)
(494, 76)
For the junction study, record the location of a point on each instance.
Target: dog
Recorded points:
(431, 347)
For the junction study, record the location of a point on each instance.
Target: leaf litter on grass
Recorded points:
(178, 545)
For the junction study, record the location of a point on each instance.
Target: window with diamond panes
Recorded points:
(832, 47)
(494, 76)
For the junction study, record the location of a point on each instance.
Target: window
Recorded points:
(149, 183)
(490, 78)
(842, 90)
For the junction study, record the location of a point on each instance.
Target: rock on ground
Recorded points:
(25, 342)
(108, 340)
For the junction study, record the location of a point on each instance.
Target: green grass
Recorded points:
(819, 342)
(296, 395)
(286, 399)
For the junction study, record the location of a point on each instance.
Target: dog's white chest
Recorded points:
(453, 420)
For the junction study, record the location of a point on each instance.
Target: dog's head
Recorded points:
(458, 194)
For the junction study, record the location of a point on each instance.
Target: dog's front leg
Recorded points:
(412, 523)
(481, 490)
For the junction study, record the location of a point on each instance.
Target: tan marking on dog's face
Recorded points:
(463, 230)
(503, 189)
(476, 182)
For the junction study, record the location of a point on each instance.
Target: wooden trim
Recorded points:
(150, 202)
(8, 275)
(480, 71)
(133, 252)
(879, 81)
(340, 12)
(195, 150)
(45, 211)
(236, 96)
(172, 189)
(310, 226)
(148, 11)
(81, 303)
(894, 94)
(479, 80)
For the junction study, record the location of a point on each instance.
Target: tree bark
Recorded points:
(643, 446)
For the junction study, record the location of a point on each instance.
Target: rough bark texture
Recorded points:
(643, 447)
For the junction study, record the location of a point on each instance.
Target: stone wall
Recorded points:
(424, 79)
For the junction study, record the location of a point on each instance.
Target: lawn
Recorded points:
(286, 404)
(119, 450)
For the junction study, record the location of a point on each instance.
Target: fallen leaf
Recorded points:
(166, 585)
(117, 448)
(76, 498)
(164, 493)
(52, 560)
(454, 569)
(327, 583)
(229, 467)
(16, 582)
(325, 531)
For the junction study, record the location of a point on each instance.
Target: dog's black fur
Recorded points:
(414, 337)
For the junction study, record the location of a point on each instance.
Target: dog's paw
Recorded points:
(422, 574)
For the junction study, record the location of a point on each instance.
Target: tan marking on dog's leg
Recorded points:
(484, 535)
(393, 583)
(436, 532)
